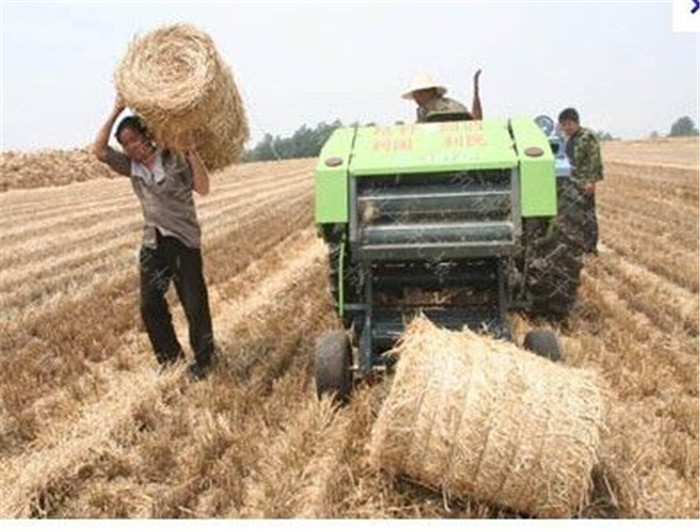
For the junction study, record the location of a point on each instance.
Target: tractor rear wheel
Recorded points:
(332, 365)
(554, 257)
(545, 344)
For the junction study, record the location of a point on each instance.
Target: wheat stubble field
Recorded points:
(88, 428)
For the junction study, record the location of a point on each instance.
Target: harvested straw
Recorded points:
(481, 418)
(175, 80)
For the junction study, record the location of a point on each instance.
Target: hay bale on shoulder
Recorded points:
(176, 82)
(480, 418)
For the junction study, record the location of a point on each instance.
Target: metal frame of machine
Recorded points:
(432, 206)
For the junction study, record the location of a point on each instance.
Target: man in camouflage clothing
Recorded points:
(432, 102)
(583, 151)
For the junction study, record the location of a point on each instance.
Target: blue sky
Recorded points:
(619, 63)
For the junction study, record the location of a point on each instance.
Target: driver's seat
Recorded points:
(449, 117)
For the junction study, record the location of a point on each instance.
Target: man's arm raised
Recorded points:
(117, 161)
(200, 175)
(476, 101)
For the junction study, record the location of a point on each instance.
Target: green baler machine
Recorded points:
(461, 220)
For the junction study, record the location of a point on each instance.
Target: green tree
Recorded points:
(263, 150)
(304, 142)
(683, 127)
(604, 135)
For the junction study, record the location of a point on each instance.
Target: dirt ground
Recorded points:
(89, 429)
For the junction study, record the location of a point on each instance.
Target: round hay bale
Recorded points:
(483, 419)
(174, 79)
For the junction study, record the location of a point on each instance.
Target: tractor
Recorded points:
(464, 221)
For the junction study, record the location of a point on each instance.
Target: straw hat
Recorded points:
(423, 81)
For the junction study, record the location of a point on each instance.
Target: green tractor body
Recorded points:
(435, 149)
(460, 220)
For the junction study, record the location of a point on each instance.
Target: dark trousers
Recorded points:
(590, 223)
(173, 261)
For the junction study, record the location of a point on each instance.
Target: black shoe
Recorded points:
(167, 363)
(198, 372)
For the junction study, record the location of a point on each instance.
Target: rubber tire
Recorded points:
(332, 366)
(555, 258)
(545, 344)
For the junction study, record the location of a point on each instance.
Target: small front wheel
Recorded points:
(545, 344)
(332, 365)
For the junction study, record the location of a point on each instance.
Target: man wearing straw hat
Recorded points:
(171, 237)
(433, 104)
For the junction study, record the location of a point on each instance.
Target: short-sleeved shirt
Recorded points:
(583, 151)
(165, 194)
(439, 105)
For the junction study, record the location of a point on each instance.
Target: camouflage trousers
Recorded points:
(590, 223)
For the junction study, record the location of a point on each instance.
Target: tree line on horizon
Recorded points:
(307, 141)
(304, 142)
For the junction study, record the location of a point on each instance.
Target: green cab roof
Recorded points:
(433, 147)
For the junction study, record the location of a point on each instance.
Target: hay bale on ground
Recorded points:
(483, 419)
(175, 80)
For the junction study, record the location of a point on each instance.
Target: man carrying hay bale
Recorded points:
(171, 238)
(174, 78)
